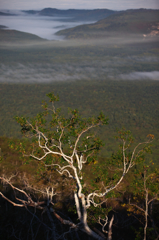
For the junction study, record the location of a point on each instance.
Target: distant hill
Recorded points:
(30, 11)
(140, 21)
(3, 27)
(17, 36)
(77, 14)
(6, 14)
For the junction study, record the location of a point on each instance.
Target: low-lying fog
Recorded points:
(112, 68)
(45, 62)
(42, 26)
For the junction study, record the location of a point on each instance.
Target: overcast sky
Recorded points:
(78, 4)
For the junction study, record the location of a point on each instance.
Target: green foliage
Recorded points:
(125, 135)
(144, 188)
(145, 173)
(58, 128)
(139, 233)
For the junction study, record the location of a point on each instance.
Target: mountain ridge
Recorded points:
(75, 14)
(140, 21)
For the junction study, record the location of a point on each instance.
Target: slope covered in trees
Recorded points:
(140, 21)
(14, 36)
(68, 146)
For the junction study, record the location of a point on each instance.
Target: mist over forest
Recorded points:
(115, 68)
(111, 57)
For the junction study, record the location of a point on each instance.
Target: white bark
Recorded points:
(73, 169)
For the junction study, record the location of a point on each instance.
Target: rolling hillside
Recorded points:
(17, 36)
(140, 21)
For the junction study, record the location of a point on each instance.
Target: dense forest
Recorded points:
(128, 104)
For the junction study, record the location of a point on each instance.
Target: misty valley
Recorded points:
(121, 54)
(95, 61)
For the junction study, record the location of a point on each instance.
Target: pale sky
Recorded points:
(78, 4)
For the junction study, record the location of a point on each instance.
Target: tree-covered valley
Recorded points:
(114, 83)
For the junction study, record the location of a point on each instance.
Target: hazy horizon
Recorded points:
(75, 4)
